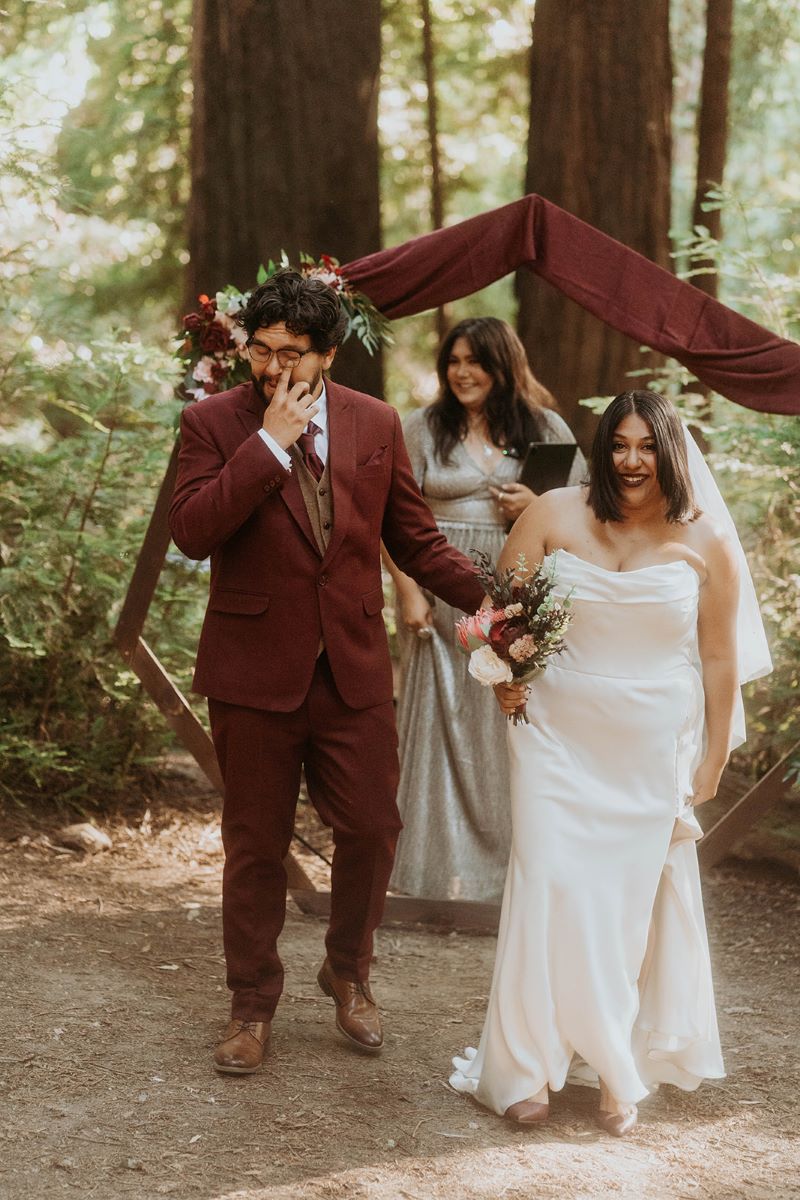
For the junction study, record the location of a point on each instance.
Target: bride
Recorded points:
(602, 971)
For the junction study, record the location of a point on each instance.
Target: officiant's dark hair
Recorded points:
(305, 305)
(672, 464)
(514, 401)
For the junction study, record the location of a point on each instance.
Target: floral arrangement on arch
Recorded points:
(213, 346)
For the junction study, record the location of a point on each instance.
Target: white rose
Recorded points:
(487, 668)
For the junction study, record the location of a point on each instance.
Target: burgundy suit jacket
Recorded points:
(273, 595)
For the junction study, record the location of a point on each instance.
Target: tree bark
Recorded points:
(432, 109)
(600, 146)
(284, 143)
(712, 125)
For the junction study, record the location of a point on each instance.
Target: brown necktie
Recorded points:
(310, 456)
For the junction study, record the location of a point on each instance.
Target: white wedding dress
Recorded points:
(602, 962)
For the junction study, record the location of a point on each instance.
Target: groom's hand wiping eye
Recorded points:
(289, 410)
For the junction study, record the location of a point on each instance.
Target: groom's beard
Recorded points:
(265, 395)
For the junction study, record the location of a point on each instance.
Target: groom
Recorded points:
(289, 483)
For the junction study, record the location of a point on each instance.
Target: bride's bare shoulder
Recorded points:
(561, 511)
(714, 545)
(550, 517)
(559, 500)
(575, 495)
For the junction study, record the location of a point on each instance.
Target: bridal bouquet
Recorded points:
(511, 641)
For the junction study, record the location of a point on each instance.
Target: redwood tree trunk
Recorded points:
(600, 146)
(284, 142)
(432, 109)
(712, 123)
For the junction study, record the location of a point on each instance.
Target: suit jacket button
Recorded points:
(323, 492)
(323, 579)
(326, 524)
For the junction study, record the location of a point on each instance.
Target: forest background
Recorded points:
(152, 151)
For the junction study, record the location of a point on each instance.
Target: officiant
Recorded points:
(467, 450)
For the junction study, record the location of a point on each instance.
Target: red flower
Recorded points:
(219, 372)
(503, 633)
(192, 322)
(215, 339)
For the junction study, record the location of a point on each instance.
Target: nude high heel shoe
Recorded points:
(529, 1112)
(618, 1124)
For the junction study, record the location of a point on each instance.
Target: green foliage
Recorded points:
(87, 424)
(121, 150)
(757, 461)
(761, 167)
(124, 149)
(747, 260)
(74, 504)
(482, 88)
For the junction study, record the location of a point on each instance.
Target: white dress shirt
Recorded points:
(320, 441)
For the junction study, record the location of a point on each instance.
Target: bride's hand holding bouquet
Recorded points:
(512, 698)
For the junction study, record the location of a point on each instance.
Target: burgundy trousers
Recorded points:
(352, 769)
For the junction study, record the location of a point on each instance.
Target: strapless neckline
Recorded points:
(675, 562)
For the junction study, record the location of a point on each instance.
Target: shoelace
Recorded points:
(247, 1027)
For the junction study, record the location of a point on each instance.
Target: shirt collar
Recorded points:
(321, 418)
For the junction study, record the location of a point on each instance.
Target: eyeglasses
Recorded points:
(286, 358)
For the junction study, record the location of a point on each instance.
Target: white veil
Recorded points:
(751, 640)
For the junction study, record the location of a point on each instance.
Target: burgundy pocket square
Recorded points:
(376, 458)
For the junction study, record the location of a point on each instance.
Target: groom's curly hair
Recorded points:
(303, 304)
(672, 464)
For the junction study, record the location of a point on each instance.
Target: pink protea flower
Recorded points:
(472, 632)
(523, 648)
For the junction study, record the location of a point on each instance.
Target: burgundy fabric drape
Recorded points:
(731, 354)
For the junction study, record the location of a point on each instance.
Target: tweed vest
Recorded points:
(317, 498)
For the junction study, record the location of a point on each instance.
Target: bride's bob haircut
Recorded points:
(672, 465)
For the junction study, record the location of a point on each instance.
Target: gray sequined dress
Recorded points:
(454, 787)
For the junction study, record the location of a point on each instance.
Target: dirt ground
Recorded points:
(113, 998)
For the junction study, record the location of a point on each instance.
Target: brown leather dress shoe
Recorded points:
(241, 1050)
(528, 1112)
(357, 1015)
(618, 1124)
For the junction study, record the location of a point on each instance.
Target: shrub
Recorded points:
(75, 499)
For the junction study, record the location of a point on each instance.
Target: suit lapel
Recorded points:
(251, 414)
(342, 458)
